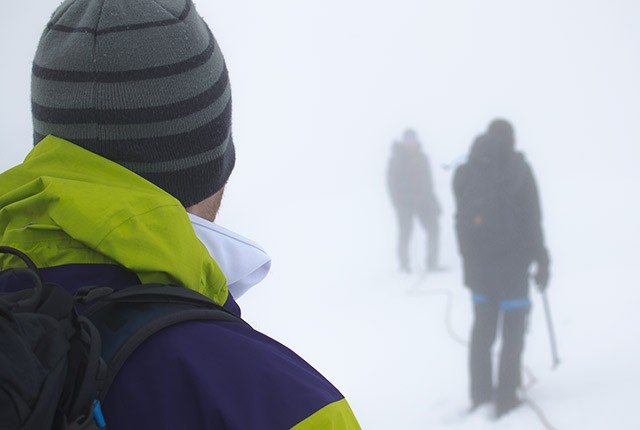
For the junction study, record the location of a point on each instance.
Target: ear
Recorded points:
(209, 207)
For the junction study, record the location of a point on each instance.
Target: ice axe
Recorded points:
(552, 336)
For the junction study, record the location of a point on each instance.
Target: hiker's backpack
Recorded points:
(486, 221)
(60, 353)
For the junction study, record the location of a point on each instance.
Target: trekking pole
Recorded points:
(552, 336)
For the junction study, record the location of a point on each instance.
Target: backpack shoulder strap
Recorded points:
(126, 318)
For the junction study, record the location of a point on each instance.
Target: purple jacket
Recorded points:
(208, 374)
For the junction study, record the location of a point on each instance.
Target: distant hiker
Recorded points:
(498, 225)
(131, 106)
(410, 186)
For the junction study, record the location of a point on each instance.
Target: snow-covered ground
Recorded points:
(322, 88)
(395, 344)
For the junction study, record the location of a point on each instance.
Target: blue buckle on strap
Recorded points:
(98, 416)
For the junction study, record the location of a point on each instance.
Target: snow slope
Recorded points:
(394, 344)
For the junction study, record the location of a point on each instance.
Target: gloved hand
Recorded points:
(541, 276)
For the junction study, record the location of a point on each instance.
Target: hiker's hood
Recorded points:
(66, 205)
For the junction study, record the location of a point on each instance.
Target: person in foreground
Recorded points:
(498, 225)
(132, 148)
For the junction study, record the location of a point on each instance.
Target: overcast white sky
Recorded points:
(321, 89)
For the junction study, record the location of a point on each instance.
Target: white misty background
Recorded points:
(320, 91)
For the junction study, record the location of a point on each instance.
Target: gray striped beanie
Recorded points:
(142, 83)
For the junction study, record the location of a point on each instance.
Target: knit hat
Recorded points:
(410, 136)
(142, 83)
(503, 130)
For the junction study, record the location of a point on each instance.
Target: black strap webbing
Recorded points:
(126, 318)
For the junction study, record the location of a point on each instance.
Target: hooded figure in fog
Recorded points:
(499, 231)
(131, 104)
(410, 186)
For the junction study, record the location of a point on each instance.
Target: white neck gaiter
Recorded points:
(243, 262)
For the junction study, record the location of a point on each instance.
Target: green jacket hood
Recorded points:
(66, 205)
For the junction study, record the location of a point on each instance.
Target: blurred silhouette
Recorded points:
(500, 238)
(411, 188)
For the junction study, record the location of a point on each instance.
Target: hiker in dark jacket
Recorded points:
(499, 231)
(133, 147)
(410, 185)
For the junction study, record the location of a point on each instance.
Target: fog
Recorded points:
(320, 91)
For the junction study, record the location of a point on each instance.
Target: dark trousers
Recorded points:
(405, 228)
(487, 315)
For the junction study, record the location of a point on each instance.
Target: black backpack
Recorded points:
(60, 353)
(485, 217)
